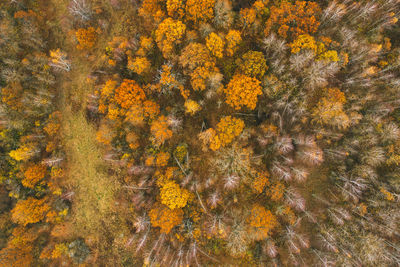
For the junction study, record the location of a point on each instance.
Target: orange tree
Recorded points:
(291, 20)
(30, 210)
(86, 38)
(129, 93)
(242, 91)
(165, 218)
(33, 175)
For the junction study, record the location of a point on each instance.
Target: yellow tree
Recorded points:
(261, 222)
(329, 110)
(233, 39)
(215, 45)
(168, 34)
(195, 58)
(227, 129)
(139, 65)
(253, 64)
(173, 196)
(199, 10)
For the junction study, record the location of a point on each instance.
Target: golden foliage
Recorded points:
(160, 131)
(165, 218)
(30, 210)
(261, 222)
(233, 39)
(275, 191)
(169, 33)
(227, 129)
(242, 91)
(303, 41)
(329, 110)
(139, 65)
(192, 107)
(176, 8)
(22, 153)
(162, 159)
(260, 181)
(104, 135)
(173, 196)
(253, 64)
(293, 19)
(199, 10)
(306, 41)
(33, 175)
(215, 45)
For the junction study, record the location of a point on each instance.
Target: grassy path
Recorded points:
(93, 203)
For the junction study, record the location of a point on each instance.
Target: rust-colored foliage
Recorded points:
(276, 191)
(242, 91)
(19, 249)
(261, 222)
(260, 181)
(162, 159)
(86, 38)
(165, 218)
(196, 58)
(129, 93)
(141, 111)
(30, 210)
(176, 8)
(11, 95)
(291, 20)
(152, 8)
(33, 175)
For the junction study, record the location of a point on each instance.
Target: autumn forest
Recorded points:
(185, 133)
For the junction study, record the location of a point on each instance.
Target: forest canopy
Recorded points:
(199, 133)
